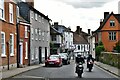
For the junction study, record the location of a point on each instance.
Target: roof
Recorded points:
(32, 8)
(117, 16)
(79, 39)
(54, 31)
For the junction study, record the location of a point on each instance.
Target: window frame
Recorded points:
(2, 16)
(26, 32)
(112, 36)
(26, 48)
(11, 43)
(4, 52)
(10, 12)
(112, 23)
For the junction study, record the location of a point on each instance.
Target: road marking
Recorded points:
(107, 71)
(32, 77)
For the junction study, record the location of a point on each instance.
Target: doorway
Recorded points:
(21, 53)
(40, 55)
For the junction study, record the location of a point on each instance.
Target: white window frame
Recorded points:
(11, 13)
(2, 15)
(39, 34)
(36, 51)
(26, 48)
(112, 22)
(18, 12)
(35, 16)
(26, 33)
(4, 51)
(32, 54)
(112, 36)
(12, 43)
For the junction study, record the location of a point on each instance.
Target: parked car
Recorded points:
(65, 58)
(54, 60)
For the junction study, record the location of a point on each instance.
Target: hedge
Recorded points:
(110, 58)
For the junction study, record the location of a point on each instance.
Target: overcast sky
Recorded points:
(72, 13)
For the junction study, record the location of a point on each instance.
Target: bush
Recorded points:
(117, 47)
(98, 51)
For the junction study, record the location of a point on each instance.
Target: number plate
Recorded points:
(51, 62)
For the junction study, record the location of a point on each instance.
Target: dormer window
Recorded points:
(112, 23)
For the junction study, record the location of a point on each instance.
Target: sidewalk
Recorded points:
(13, 72)
(109, 68)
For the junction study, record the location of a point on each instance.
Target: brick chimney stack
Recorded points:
(78, 30)
(30, 2)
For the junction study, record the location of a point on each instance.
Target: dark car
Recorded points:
(54, 60)
(65, 58)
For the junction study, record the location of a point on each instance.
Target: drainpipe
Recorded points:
(18, 38)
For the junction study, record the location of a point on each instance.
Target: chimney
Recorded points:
(89, 31)
(106, 14)
(56, 25)
(78, 30)
(30, 2)
(101, 21)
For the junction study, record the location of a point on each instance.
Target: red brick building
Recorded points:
(109, 30)
(8, 34)
(24, 42)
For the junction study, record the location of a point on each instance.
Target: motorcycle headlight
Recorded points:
(80, 66)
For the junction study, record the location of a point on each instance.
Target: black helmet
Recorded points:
(79, 55)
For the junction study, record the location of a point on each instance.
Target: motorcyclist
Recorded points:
(79, 59)
(89, 58)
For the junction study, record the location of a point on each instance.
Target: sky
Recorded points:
(72, 13)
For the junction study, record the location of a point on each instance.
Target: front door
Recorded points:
(21, 53)
(40, 55)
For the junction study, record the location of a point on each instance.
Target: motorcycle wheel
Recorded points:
(80, 75)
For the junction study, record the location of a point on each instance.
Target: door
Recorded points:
(40, 55)
(45, 53)
(21, 53)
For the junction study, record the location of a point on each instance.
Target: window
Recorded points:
(26, 47)
(35, 16)
(3, 44)
(11, 45)
(78, 47)
(36, 36)
(112, 23)
(11, 13)
(1, 9)
(36, 51)
(53, 37)
(26, 33)
(32, 33)
(39, 34)
(43, 35)
(112, 35)
(39, 18)
(32, 53)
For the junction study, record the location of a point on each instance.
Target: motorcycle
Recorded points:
(79, 69)
(90, 65)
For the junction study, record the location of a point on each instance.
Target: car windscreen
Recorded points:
(54, 57)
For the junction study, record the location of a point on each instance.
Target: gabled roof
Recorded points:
(54, 31)
(79, 39)
(117, 16)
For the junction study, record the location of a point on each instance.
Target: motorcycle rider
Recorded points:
(79, 59)
(89, 58)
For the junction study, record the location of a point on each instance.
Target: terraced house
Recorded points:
(8, 34)
(39, 32)
(109, 31)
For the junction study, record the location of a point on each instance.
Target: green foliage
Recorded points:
(99, 49)
(117, 47)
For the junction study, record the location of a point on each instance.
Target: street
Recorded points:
(66, 71)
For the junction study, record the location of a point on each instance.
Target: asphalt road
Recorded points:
(64, 72)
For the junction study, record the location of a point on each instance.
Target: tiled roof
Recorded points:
(79, 39)
(117, 16)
